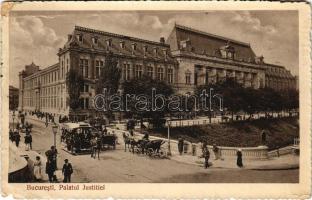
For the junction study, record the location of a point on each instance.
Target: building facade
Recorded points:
(13, 98)
(42, 90)
(187, 59)
(205, 58)
(278, 78)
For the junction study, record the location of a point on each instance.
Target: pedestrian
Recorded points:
(203, 145)
(11, 135)
(105, 130)
(206, 155)
(67, 171)
(180, 145)
(52, 156)
(46, 123)
(98, 146)
(263, 137)
(38, 169)
(17, 137)
(93, 147)
(146, 136)
(50, 170)
(239, 161)
(216, 151)
(131, 133)
(28, 141)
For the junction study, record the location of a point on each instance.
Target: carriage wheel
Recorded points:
(150, 152)
(162, 153)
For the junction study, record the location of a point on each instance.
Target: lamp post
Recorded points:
(169, 148)
(54, 130)
(13, 116)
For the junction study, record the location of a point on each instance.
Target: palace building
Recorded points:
(187, 58)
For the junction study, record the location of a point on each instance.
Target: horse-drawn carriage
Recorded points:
(77, 137)
(152, 148)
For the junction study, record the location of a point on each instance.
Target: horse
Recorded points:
(127, 141)
(131, 143)
(224, 118)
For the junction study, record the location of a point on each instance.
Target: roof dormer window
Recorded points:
(134, 46)
(122, 44)
(95, 40)
(79, 37)
(109, 42)
(155, 51)
(165, 52)
(145, 48)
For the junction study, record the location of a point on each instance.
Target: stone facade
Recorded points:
(43, 90)
(187, 59)
(278, 78)
(13, 97)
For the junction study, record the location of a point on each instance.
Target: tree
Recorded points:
(290, 99)
(74, 81)
(231, 93)
(110, 75)
(251, 103)
(109, 78)
(143, 86)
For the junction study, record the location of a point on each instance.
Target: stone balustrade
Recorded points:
(252, 153)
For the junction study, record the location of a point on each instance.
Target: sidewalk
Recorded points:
(276, 163)
(32, 156)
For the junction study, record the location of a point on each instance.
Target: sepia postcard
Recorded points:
(155, 100)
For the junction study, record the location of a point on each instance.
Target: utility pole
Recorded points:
(169, 148)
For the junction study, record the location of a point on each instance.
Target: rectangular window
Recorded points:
(84, 67)
(97, 69)
(86, 88)
(109, 42)
(62, 69)
(86, 103)
(67, 65)
(138, 71)
(99, 64)
(170, 75)
(150, 71)
(81, 103)
(128, 71)
(160, 73)
(79, 36)
(95, 40)
(122, 44)
(188, 78)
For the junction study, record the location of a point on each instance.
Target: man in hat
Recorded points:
(180, 145)
(206, 155)
(216, 151)
(17, 137)
(67, 171)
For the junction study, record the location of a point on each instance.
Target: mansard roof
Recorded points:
(208, 43)
(117, 47)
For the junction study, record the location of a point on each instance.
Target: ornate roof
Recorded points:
(209, 43)
(119, 44)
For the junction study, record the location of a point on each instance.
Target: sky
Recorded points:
(37, 36)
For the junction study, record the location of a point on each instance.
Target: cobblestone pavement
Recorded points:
(124, 167)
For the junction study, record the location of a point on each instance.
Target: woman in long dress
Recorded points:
(38, 169)
(239, 161)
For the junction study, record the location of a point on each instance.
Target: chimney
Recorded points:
(162, 40)
(69, 37)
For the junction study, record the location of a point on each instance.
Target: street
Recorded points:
(124, 167)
